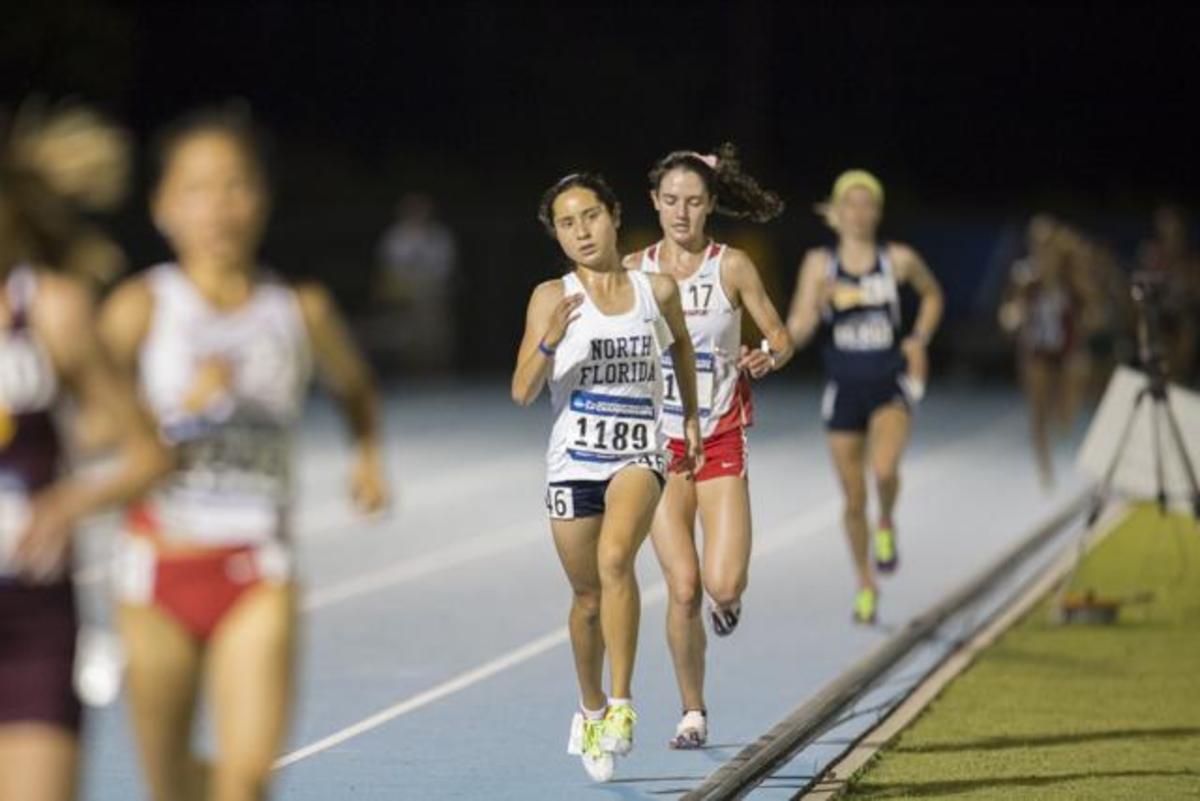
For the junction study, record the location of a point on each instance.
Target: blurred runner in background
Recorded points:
(50, 351)
(222, 351)
(850, 294)
(1169, 252)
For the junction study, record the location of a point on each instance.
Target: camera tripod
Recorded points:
(1162, 418)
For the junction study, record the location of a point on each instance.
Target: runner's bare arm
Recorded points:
(804, 315)
(64, 321)
(350, 380)
(683, 356)
(547, 318)
(912, 269)
(740, 274)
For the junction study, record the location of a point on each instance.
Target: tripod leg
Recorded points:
(1106, 483)
(1185, 457)
(1156, 442)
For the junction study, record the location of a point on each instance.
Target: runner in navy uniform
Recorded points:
(850, 293)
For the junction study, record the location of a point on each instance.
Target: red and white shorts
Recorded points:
(725, 450)
(197, 588)
(724, 455)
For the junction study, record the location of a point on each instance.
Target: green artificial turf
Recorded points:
(1073, 712)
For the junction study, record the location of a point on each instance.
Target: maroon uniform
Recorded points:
(37, 622)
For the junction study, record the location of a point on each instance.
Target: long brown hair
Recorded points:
(738, 194)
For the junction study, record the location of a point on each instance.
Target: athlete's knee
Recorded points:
(171, 772)
(887, 473)
(683, 588)
(855, 502)
(241, 777)
(615, 565)
(587, 603)
(725, 590)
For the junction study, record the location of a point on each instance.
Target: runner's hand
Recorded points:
(368, 487)
(755, 362)
(693, 443)
(914, 352)
(564, 314)
(44, 547)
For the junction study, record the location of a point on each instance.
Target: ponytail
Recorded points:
(737, 193)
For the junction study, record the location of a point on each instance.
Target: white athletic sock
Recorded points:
(619, 701)
(592, 714)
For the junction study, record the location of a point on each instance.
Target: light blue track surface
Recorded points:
(461, 582)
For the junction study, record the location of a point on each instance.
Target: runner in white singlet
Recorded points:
(715, 283)
(596, 336)
(222, 354)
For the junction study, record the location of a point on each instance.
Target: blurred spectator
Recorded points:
(1169, 251)
(417, 272)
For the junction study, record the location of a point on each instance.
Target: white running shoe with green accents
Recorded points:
(617, 735)
(584, 742)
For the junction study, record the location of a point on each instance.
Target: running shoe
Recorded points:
(865, 603)
(724, 621)
(886, 557)
(616, 736)
(692, 731)
(584, 742)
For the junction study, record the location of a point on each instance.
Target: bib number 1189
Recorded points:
(609, 435)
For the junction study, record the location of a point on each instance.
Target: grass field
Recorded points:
(1077, 712)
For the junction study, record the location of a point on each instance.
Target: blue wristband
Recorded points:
(548, 351)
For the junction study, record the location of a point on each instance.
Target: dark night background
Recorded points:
(973, 118)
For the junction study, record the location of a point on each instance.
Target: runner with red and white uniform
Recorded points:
(715, 283)
(222, 351)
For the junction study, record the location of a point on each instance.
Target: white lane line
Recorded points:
(484, 545)
(807, 524)
(460, 682)
(319, 519)
(816, 520)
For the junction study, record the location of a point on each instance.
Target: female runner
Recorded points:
(221, 350)
(715, 282)
(49, 350)
(596, 337)
(1045, 307)
(851, 292)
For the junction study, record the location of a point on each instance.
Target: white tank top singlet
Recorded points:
(716, 329)
(606, 388)
(227, 389)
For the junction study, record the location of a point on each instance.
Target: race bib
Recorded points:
(864, 332)
(609, 428)
(706, 381)
(560, 503)
(230, 486)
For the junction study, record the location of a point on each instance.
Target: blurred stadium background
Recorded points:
(410, 144)
(974, 118)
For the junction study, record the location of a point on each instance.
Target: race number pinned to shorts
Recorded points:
(560, 503)
(610, 428)
(706, 381)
